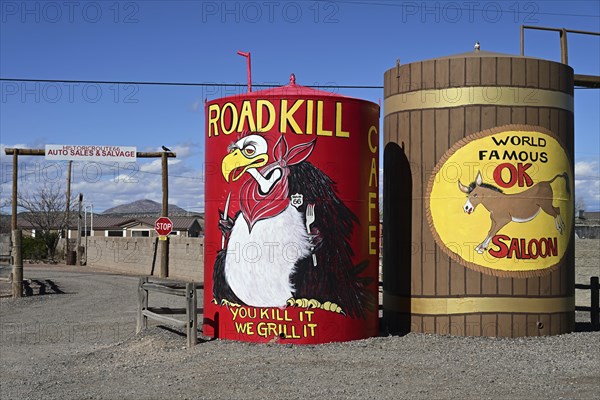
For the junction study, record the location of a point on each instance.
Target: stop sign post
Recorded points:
(163, 226)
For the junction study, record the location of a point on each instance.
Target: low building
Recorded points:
(143, 227)
(113, 226)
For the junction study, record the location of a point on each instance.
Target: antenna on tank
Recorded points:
(249, 68)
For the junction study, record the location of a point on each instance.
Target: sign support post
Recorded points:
(68, 210)
(78, 254)
(164, 247)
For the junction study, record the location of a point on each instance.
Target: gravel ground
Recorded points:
(81, 345)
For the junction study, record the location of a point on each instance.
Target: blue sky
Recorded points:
(333, 43)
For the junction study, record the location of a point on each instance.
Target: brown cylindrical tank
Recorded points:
(478, 196)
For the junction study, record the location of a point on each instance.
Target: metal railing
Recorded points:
(594, 308)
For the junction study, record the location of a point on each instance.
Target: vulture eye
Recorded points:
(249, 150)
(475, 195)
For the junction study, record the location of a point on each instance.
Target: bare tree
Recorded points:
(5, 226)
(45, 210)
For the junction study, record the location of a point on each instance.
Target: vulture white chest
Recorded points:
(259, 263)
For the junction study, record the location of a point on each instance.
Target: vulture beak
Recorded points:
(236, 163)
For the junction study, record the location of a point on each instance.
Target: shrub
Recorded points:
(34, 248)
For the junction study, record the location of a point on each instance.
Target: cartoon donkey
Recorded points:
(518, 207)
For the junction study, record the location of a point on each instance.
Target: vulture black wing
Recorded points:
(221, 288)
(334, 278)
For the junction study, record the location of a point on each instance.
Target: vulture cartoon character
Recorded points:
(289, 243)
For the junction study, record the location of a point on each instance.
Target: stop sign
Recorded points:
(163, 226)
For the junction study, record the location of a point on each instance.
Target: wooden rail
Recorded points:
(187, 290)
(594, 308)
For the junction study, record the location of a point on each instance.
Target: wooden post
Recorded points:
(17, 255)
(164, 254)
(15, 174)
(595, 302)
(17, 268)
(191, 314)
(68, 210)
(142, 320)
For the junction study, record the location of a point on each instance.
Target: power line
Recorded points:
(39, 170)
(455, 6)
(204, 84)
(150, 172)
(154, 83)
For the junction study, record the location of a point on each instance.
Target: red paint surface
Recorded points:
(347, 161)
(163, 226)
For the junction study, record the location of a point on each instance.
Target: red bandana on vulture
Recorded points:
(256, 205)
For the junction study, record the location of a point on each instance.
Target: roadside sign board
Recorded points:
(90, 153)
(163, 226)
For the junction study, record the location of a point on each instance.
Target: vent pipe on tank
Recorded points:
(249, 68)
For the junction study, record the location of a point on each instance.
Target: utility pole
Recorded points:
(164, 249)
(78, 262)
(85, 229)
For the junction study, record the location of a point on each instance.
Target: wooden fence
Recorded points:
(594, 308)
(187, 290)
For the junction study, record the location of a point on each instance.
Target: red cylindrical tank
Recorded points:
(291, 217)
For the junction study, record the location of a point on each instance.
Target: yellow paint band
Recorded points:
(470, 305)
(477, 95)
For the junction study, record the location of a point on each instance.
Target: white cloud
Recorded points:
(110, 184)
(182, 151)
(587, 184)
(153, 166)
(587, 168)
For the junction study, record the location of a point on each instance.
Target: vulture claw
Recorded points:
(314, 304)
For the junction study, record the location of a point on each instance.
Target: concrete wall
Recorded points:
(5, 246)
(134, 256)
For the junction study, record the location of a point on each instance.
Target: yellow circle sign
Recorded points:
(501, 201)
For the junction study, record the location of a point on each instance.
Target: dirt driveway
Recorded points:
(81, 345)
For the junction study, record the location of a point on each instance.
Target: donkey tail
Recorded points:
(565, 176)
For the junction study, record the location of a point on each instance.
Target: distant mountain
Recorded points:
(144, 207)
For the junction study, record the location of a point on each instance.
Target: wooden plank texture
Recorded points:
(457, 129)
(472, 71)
(442, 129)
(488, 72)
(427, 135)
(163, 319)
(457, 72)
(414, 156)
(427, 243)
